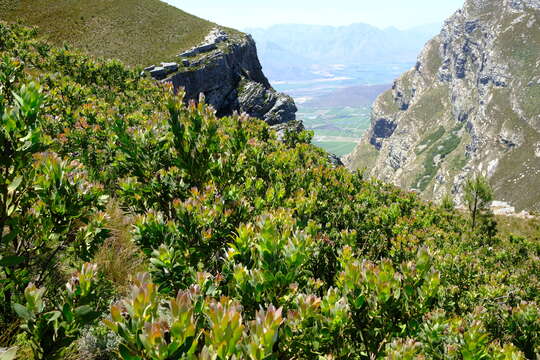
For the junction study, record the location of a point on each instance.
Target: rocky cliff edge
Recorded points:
(471, 105)
(226, 69)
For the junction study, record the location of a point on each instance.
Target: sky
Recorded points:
(241, 14)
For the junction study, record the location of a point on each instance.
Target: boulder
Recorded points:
(159, 73)
(216, 36)
(502, 208)
(170, 66)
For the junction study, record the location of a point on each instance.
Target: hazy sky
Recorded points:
(261, 13)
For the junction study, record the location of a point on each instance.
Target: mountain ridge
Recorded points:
(468, 106)
(117, 29)
(355, 43)
(145, 32)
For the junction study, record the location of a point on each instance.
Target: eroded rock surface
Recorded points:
(227, 71)
(471, 105)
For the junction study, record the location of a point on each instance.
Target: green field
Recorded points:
(338, 148)
(337, 130)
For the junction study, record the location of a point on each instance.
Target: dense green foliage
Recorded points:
(255, 248)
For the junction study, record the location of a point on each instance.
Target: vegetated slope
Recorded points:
(471, 105)
(257, 247)
(137, 32)
(145, 32)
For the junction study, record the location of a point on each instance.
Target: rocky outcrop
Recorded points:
(381, 129)
(470, 105)
(226, 69)
(160, 72)
(274, 108)
(210, 43)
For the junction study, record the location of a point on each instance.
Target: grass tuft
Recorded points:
(119, 258)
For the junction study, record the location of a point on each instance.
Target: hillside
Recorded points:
(227, 70)
(137, 32)
(135, 226)
(471, 105)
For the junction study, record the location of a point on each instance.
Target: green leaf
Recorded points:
(126, 354)
(10, 236)
(22, 311)
(10, 210)
(85, 313)
(11, 260)
(55, 315)
(82, 310)
(15, 184)
(68, 315)
(9, 354)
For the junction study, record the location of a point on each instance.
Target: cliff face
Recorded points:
(227, 71)
(471, 105)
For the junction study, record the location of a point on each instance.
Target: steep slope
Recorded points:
(133, 31)
(145, 32)
(227, 70)
(470, 105)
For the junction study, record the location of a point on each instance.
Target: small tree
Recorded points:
(447, 203)
(478, 195)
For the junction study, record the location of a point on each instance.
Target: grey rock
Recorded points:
(230, 79)
(170, 66)
(258, 101)
(291, 126)
(382, 129)
(215, 37)
(159, 73)
(335, 160)
(233, 80)
(474, 82)
(398, 156)
(199, 50)
(511, 139)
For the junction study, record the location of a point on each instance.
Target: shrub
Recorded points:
(189, 326)
(477, 195)
(52, 327)
(239, 226)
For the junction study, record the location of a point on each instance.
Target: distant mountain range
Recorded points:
(288, 51)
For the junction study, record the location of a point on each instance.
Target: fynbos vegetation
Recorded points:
(248, 247)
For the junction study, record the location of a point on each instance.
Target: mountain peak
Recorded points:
(469, 106)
